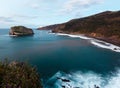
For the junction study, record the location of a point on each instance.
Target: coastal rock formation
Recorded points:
(20, 31)
(104, 26)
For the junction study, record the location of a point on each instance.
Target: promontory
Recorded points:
(21, 31)
(104, 26)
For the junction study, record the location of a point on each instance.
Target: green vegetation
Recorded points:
(18, 75)
(21, 31)
(105, 26)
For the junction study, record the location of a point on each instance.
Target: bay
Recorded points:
(53, 54)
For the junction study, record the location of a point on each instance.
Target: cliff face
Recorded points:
(20, 31)
(105, 26)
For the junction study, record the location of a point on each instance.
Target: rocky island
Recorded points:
(20, 31)
(104, 26)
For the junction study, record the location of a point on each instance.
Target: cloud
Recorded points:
(35, 6)
(77, 5)
(12, 18)
(24, 16)
(17, 20)
(6, 20)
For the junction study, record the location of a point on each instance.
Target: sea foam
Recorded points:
(83, 80)
(74, 36)
(98, 43)
(105, 45)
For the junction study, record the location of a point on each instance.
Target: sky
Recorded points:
(37, 13)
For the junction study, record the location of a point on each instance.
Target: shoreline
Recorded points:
(99, 42)
(105, 40)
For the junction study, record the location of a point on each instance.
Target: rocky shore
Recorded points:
(104, 26)
(113, 39)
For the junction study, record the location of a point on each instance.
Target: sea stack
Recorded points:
(21, 31)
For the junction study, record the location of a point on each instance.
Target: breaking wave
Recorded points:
(83, 80)
(95, 42)
(105, 45)
(74, 36)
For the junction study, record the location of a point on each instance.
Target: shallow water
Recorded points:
(60, 54)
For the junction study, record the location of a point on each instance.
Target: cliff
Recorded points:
(20, 31)
(104, 26)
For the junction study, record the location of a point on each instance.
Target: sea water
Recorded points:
(65, 61)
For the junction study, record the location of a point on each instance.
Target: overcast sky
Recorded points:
(35, 13)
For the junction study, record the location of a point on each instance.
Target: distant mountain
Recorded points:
(48, 27)
(104, 26)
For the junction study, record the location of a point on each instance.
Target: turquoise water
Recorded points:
(54, 54)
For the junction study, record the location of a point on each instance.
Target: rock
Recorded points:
(20, 31)
(63, 86)
(64, 80)
(96, 86)
(115, 48)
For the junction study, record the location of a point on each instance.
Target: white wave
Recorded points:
(74, 36)
(95, 42)
(62, 34)
(105, 45)
(84, 80)
(12, 35)
(114, 82)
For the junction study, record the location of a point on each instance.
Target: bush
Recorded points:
(18, 75)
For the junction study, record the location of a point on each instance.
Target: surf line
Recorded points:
(96, 42)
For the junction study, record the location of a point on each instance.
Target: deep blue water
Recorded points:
(52, 53)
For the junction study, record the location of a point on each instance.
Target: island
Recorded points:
(103, 26)
(20, 31)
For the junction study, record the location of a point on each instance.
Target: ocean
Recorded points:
(65, 61)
